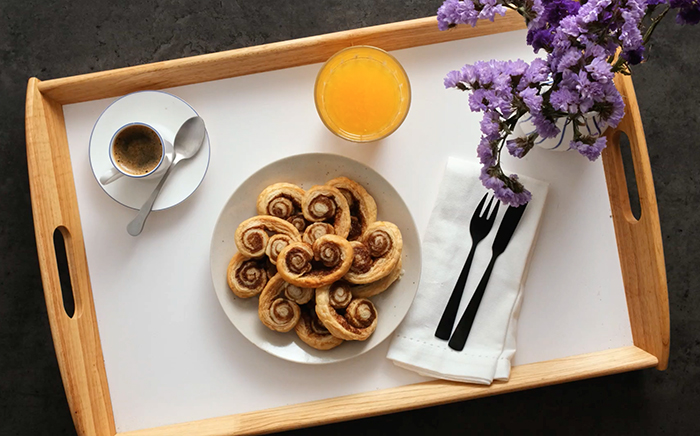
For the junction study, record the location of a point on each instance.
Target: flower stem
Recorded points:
(509, 127)
(655, 22)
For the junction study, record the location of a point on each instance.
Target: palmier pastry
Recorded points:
(358, 322)
(281, 200)
(299, 295)
(313, 266)
(381, 285)
(315, 231)
(313, 332)
(325, 203)
(363, 208)
(275, 245)
(252, 234)
(275, 310)
(376, 254)
(298, 221)
(246, 277)
(339, 294)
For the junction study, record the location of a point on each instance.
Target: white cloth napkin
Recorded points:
(491, 343)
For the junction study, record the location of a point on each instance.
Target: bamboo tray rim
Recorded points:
(76, 339)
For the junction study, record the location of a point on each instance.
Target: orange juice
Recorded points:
(362, 94)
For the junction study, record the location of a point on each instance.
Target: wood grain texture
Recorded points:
(410, 397)
(639, 242)
(250, 60)
(55, 206)
(77, 341)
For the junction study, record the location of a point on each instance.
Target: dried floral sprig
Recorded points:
(582, 40)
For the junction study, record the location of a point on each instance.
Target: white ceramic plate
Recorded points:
(307, 170)
(166, 113)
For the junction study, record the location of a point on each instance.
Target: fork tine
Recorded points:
(480, 207)
(488, 208)
(492, 218)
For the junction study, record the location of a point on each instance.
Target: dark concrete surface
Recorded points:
(51, 39)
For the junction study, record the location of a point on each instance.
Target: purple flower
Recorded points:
(490, 9)
(569, 59)
(581, 38)
(630, 35)
(532, 100)
(485, 72)
(557, 10)
(482, 99)
(485, 152)
(513, 148)
(594, 50)
(452, 79)
(537, 72)
(611, 107)
(545, 127)
(600, 70)
(688, 11)
(565, 100)
(540, 38)
(589, 146)
(591, 10)
(634, 56)
(535, 9)
(468, 73)
(581, 93)
(519, 147)
(490, 125)
(516, 68)
(507, 189)
(570, 27)
(454, 12)
(548, 16)
(576, 93)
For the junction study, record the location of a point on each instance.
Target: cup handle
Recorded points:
(111, 175)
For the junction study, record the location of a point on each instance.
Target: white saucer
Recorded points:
(166, 113)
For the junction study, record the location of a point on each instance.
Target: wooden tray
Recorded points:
(77, 340)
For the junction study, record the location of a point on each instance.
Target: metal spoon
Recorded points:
(188, 141)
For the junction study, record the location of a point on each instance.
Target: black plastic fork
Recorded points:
(505, 232)
(480, 226)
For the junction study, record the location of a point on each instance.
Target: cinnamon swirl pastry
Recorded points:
(381, 285)
(315, 231)
(339, 294)
(363, 208)
(246, 277)
(312, 332)
(358, 322)
(313, 266)
(281, 200)
(252, 234)
(376, 254)
(275, 310)
(275, 245)
(298, 221)
(297, 294)
(325, 203)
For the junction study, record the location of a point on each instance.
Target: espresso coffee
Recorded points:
(137, 150)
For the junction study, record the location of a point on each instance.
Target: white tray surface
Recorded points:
(171, 353)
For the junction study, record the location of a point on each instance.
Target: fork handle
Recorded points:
(444, 329)
(459, 338)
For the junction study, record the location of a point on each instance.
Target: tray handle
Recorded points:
(639, 241)
(55, 207)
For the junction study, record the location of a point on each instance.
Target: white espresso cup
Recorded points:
(138, 151)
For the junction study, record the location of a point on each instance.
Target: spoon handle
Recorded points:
(136, 225)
